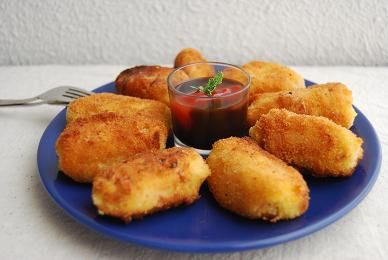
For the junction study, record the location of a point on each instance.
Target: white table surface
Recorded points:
(32, 226)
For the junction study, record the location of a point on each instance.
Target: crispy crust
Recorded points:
(118, 104)
(315, 143)
(253, 183)
(269, 77)
(89, 145)
(146, 82)
(331, 100)
(150, 182)
(191, 55)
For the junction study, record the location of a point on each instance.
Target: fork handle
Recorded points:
(11, 102)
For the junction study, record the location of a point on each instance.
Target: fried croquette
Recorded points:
(118, 104)
(315, 143)
(147, 82)
(253, 183)
(268, 77)
(331, 100)
(89, 145)
(191, 55)
(150, 182)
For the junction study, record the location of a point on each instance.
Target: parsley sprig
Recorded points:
(211, 84)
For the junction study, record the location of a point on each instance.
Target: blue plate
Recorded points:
(204, 226)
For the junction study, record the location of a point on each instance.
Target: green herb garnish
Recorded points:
(211, 84)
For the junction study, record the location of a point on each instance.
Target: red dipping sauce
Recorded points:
(199, 120)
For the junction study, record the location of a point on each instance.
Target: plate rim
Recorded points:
(211, 247)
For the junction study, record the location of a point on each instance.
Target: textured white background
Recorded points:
(32, 226)
(135, 31)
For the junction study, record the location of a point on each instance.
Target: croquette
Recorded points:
(147, 82)
(331, 100)
(150, 182)
(253, 183)
(89, 145)
(312, 142)
(118, 104)
(191, 55)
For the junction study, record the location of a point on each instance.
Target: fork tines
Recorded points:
(75, 93)
(84, 92)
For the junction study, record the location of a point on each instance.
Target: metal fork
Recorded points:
(59, 95)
